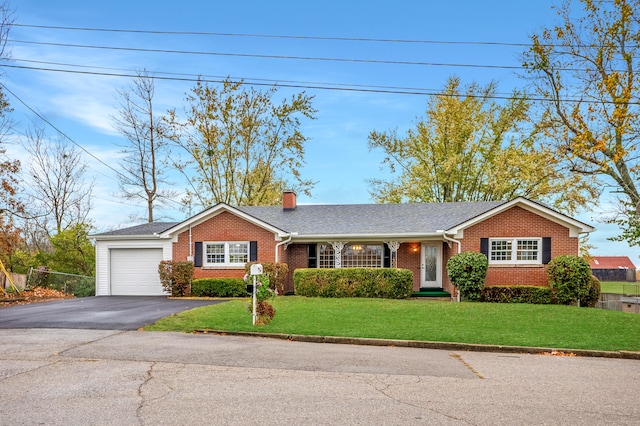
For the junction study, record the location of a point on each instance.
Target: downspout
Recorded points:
(452, 240)
(287, 241)
(190, 245)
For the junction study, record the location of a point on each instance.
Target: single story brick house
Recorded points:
(613, 268)
(519, 237)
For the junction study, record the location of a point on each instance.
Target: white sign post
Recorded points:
(256, 269)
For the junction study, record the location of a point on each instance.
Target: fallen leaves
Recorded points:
(558, 353)
(37, 294)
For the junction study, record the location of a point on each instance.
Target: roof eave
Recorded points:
(121, 237)
(311, 238)
(575, 225)
(214, 211)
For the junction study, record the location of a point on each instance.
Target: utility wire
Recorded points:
(262, 56)
(419, 92)
(40, 116)
(275, 36)
(300, 37)
(195, 77)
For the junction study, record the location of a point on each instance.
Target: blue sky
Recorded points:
(337, 154)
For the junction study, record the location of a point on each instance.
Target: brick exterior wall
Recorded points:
(518, 222)
(515, 222)
(409, 258)
(296, 256)
(225, 227)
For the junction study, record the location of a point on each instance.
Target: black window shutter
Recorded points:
(546, 250)
(197, 259)
(312, 256)
(253, 251)
(484, 246)
(386, 260)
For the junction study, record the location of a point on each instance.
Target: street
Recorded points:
(73, 377)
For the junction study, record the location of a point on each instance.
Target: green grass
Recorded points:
(616, 287)
(551, 326)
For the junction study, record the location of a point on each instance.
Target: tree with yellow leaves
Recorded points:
(585, 71)
(468, 147)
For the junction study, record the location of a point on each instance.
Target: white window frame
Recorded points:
(514, 251)
(227, 253)
(362, 246)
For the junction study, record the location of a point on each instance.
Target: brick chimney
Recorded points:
(288, 200)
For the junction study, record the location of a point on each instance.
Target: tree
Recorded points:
(143, 170)
(73, 252)
(469, 148)
(586, 69)
(59, 188)
(242, 148)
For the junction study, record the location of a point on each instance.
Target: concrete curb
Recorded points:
(449, 346)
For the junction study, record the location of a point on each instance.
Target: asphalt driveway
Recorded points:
(99, 313)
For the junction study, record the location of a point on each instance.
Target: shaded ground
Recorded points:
(100, 313)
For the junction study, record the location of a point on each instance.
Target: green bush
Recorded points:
(354, 282)
(176, 277)
(218, 287)
(517, 294)
(468, 272)
(591, 300)
(275, 272)
(570, 277)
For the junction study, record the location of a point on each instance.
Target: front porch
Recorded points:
(425, 259)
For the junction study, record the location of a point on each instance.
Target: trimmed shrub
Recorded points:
(176, 277)
(218, 287)
(275, 272)
(591, 300)
(354, 282)
(570, 277)
(468, 272)
(517, 294)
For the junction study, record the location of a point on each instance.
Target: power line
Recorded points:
(276, 36)
(263, 56)
(329, 86)
(304, 37)
(218, 78)
(41, 117)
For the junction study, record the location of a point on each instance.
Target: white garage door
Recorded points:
(134, 272)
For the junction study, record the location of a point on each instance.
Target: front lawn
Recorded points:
(553, 326)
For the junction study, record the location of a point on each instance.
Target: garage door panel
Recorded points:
(134, 272)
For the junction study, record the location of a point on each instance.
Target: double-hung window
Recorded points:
(228, 253)
(515, 251)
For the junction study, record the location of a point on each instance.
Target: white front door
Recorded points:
(431, 265)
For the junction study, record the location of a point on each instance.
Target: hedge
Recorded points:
(570, 277)
(218, 287)
(354, 282)
(468, 272)
(517, 294)
(591, 300)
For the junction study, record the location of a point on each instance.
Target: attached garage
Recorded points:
(127, 260)
(134, 272)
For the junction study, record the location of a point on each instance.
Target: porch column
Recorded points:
(393, 248)
(337, 253)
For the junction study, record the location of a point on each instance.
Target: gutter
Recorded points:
(287, 241)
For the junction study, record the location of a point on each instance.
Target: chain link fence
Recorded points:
(78, 285)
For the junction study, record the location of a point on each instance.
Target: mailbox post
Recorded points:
(256, 269)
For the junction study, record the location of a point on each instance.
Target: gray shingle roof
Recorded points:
(363, 219)
(144, 229)
(348, 219)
